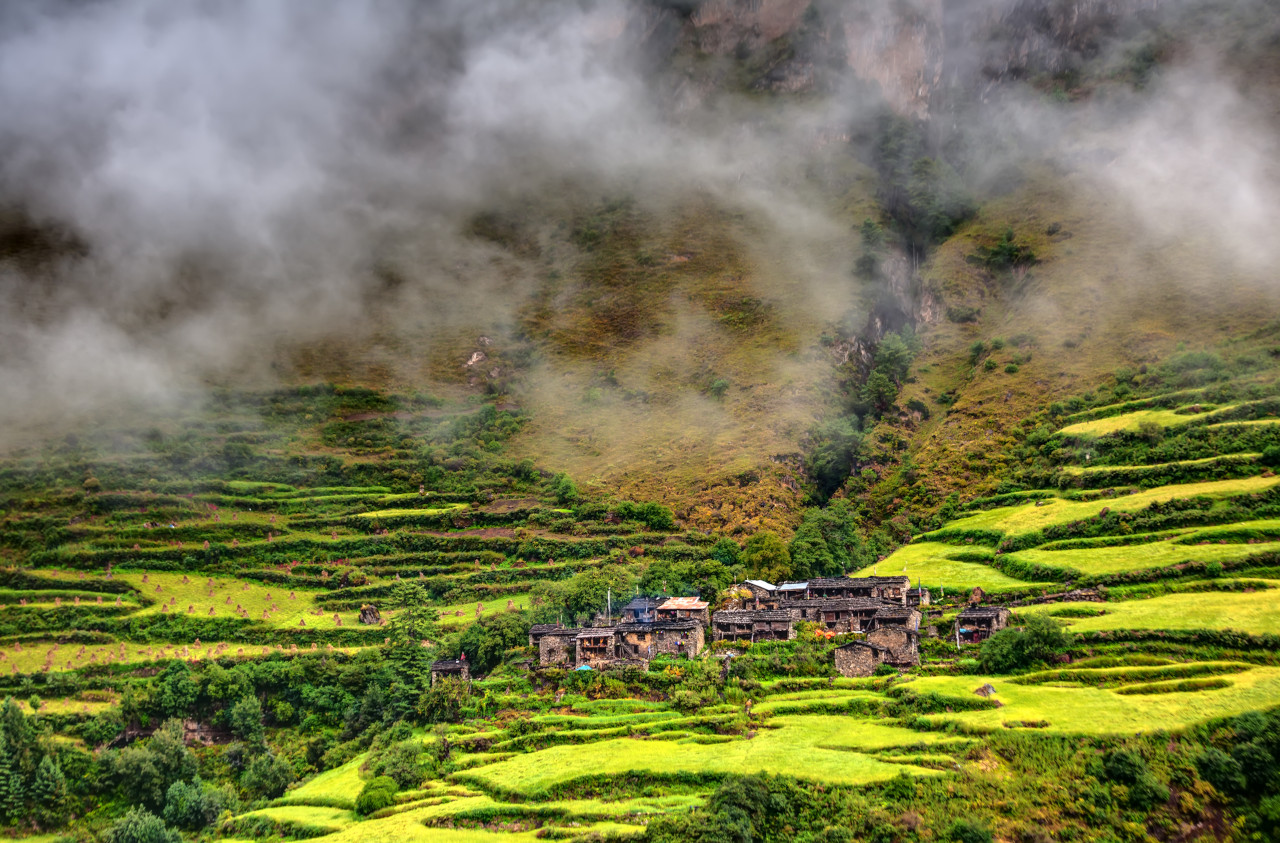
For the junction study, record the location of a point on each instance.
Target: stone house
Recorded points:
(540, 629)
(641, 610)
(684, 609)
(558, 647)
(789, 592)
(917, 597)
(450, 669)
(755, 625)
(644, 641)
(595, 647)
(859, 658)
(901, 645)
(893, 589)
(760, 595)
(851, 614)
(978, 623)
(899, 616)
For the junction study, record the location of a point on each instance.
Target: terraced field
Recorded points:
(132, 597)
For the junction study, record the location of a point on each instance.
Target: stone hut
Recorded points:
(789, 592)
(684, 609)
(595, 647)
(540, 629)
(849, 614)
(901, 645)
(641, 610)
(899, 616)
(644, 641)
(892, 588)
(755, 625)
(450, 669)
(557, 646)
(978, 623)
(763, 595)
(917, 597)
(859, 658)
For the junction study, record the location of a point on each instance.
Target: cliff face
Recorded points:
(922, 54)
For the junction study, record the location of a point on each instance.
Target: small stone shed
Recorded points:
(978, 623)
(449, 669)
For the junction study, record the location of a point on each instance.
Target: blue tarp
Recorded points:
(583, 667)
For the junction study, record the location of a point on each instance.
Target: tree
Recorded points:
(414, 622)
(810, 556)
(143, 773)
(49, 792)
(1039, 640)
(267, 775)
(725, 551)
(563, 487)
(194, 805)
(245, 719)
(176, 690)
(486, 641)
(377, 793)
(141, 826)
(834, 445)
(766, 558)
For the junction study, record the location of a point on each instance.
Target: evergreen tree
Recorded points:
(49, 791)
(810, 556)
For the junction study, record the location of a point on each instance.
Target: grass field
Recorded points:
(931, 564)
(1133, 421)
(1094, 469)
(1136, 557)
(826, 748)
(1025, 518)
(1252, 612)
(461, 614)
(1086, 710)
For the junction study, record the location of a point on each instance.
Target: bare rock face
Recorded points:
(370, 616)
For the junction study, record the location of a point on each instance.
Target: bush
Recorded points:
(267, 775)
(141, 826)
(378, 793)
(962, 831)
(1220, 770)
(1039, 640)
(195, 805)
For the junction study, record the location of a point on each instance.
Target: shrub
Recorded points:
(378, 793)
(141, 826)
(1039, 640)
(1220, 770)
(962, 831)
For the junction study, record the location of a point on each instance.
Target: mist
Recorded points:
(227, 180)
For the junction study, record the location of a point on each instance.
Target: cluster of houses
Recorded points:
(887, 611)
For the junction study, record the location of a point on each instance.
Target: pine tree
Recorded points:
(7, 776)
(49, 791)
(15, 797)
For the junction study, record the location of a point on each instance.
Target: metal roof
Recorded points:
(684, 604)
(793, 586)
(767, 586)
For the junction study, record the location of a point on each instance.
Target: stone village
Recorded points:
(885, 612)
